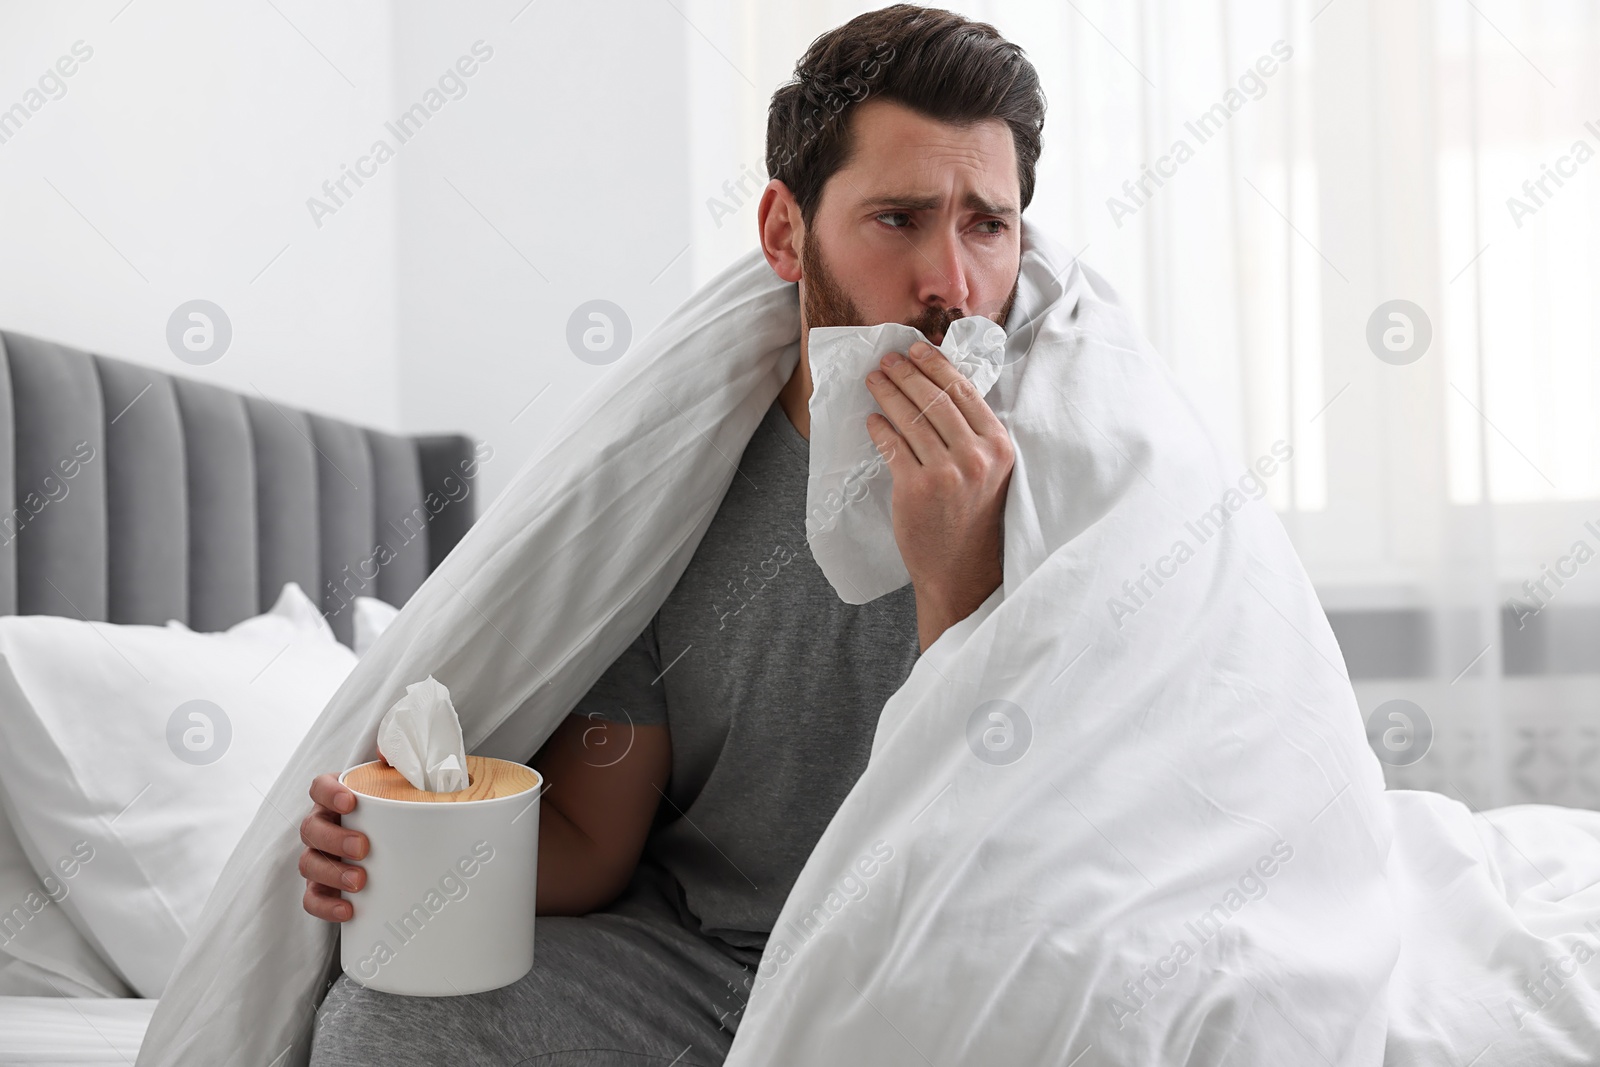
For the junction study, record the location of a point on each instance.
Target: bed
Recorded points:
(203, 504)
(72, 1030)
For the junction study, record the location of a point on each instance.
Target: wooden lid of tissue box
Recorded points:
(487, 779)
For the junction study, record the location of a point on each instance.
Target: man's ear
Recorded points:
(781, 230)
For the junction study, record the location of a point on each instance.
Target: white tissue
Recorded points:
(421, 738)
(848, 520)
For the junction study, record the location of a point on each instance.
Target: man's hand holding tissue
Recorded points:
(951, 459)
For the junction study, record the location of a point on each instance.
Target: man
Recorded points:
(690, 784)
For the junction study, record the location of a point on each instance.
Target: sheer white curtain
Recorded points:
(1319, 210)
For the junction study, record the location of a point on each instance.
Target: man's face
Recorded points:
(921, 227)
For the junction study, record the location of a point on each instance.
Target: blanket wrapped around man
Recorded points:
(1124, 813)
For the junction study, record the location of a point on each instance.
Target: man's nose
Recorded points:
(943, 279)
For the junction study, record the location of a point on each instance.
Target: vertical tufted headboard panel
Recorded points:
(132, 496)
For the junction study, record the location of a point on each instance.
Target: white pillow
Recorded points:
(373, 616)
(155, 746)
(41, 952)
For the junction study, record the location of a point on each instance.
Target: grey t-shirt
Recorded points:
(771, 686)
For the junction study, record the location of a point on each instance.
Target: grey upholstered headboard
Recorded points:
(132, 496)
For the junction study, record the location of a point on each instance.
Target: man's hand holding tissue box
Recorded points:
(593, 816)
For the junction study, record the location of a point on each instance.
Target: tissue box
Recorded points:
(448, 905)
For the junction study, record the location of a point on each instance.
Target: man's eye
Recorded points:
(895, 215)
(994, 222)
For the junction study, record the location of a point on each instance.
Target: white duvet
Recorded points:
(1123, 814)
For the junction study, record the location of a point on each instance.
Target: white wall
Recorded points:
(176, 165)
(559, 177)
(183, 157)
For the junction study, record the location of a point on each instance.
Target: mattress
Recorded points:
(71, 1031)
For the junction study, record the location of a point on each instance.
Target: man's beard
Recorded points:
(827, 304)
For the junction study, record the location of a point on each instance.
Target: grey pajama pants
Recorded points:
(631, 985)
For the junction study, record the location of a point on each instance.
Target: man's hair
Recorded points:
(936, 62)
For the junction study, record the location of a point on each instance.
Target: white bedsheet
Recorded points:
(1500, 946)
(72, 1031)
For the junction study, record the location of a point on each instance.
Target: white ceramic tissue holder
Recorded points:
(448, 904)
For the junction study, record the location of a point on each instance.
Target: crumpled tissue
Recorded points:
(849, 524)
(421, 738)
